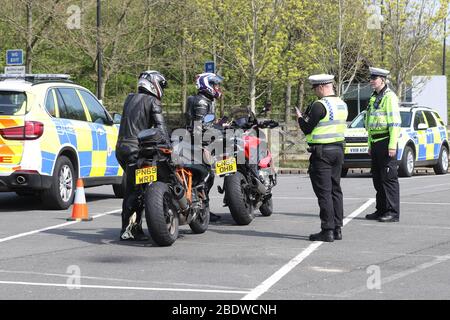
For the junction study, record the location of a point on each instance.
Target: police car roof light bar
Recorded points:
(35, 77)
(408, 103)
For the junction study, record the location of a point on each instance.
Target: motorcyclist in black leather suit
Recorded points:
(199, 106)
(141, 111)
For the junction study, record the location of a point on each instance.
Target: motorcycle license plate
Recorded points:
(146, 175)
(227, 166)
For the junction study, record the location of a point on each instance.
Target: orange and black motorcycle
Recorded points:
(174, 187)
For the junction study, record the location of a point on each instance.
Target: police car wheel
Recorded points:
(406, 168)
(442, 165)
(62, 191)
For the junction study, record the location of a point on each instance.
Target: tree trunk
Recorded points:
(287, 103)
(300, 93)
(102, 85)
(101, 82)
(184, 72)
(149, 39)
(29, 48)
(252, 90)
(340, 49)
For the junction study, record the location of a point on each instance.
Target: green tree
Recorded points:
(411, 29)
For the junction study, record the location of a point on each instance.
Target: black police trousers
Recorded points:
(132, 199)
(325, 174)
(385, 179)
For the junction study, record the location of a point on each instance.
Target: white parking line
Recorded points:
(396, 276)
(427, 203)
(65, 276)
(405, 226)
(423, 177)
(70, 286)
(269, 282)
(21, 235)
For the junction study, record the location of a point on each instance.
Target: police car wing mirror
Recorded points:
(422, 126)
(209, 118)
(117, 117)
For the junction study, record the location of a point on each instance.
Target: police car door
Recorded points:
(420, 135)
(76, 130)
(107, 134)
(433, 137)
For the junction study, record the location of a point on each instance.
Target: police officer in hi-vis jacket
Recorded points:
(324, 124)
(383, 124)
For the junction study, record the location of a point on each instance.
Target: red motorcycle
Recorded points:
(250, 175)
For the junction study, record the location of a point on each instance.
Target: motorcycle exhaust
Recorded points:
(180, 196)
(21, 179)
(259, 186)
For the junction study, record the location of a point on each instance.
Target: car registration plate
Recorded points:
(227, 166)
(358, 150)
(146, 175)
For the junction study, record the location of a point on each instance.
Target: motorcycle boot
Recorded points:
(133, 232)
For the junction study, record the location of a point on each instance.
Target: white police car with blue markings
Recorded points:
(423, 142)
(53, 132)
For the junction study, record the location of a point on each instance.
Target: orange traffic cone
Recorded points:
(79, 209)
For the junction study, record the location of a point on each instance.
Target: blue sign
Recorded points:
(14, 57)
(210, 67)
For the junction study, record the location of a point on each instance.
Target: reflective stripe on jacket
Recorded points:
(384, 120)
(332, 127)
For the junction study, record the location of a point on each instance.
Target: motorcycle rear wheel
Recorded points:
(160, 214)
(239, 203)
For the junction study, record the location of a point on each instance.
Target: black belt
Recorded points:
(380, 135)
(334, 146)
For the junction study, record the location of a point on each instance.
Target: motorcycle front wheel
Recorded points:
(239, 203)
(266, 208)
(160, 214)
(201, 221)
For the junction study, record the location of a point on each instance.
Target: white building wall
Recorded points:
(431, 92)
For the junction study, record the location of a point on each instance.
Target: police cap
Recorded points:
(318, 79)
(379, 72)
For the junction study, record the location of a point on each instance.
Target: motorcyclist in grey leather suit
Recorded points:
(141, 111)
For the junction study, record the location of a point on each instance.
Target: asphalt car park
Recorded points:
(42, 256)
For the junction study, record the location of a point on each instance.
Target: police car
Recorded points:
(52, 132)
(423, 142)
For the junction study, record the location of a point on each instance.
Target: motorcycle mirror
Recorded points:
(209, 118)
(223, 120)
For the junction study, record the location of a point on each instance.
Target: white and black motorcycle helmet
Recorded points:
(153, 82)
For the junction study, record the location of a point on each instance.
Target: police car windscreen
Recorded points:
(406, 118)
(12, 103)
(358, 122)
